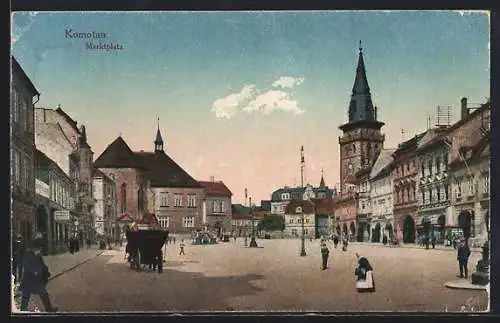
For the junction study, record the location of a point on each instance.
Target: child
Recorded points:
(182, 248)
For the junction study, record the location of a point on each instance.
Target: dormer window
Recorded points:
(285, 196)
(298, 209)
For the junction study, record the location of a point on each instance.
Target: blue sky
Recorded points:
(210, 76)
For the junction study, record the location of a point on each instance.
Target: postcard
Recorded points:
(244, 161)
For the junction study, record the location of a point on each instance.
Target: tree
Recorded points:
(271, 223)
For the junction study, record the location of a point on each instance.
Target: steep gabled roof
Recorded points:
(118, 155)
(383, 161)
(16, 68)
(163, 171)
(240, 211)
(215, 189)
(410, 144)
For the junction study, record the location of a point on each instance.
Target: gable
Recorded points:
(118, 155)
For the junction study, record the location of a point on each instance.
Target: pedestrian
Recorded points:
(345, 243)
(463, 258)
(173, 238)
(234, 237)
(433, 242)
(364, 275)
(335, 241)
(182, 248)
(324, 256)
(18, 250)
(34, 277)
(89, 243)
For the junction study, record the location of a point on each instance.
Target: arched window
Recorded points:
(123, 207)
(353, 148)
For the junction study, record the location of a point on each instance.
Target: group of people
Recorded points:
(30, 272)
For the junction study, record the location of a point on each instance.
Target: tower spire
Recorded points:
(159, 140)
(361, 106)
(322, 181)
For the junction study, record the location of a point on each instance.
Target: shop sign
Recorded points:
(42, 188)
(62, 215)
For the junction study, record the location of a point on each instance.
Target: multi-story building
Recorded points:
(469, 172)
(382, 218)
(55, 190)
(405, 177)
(363, 203)
(241, 220)
(216, 206)
(119, 163)
(433, 212)
(104, 188)
(22, 151)
(324, 216)
(360, 143)
(295, 212)
(83, 155)
(178, 196)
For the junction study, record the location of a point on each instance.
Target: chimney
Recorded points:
(464, 112)
(212, 179)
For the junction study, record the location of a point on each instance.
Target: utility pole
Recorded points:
(302, 164)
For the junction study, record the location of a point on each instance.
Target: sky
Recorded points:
(238, 93)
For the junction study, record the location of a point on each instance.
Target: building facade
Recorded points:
(405, 192)
(360, 143)
(295, 212)
(83, 155)
(55, 191)
(382, 217)
(433, 214)
(241, 220)
(469, 170)
(216, 206)
(179, 197)
(119, 163)
(22, 152)
(104, 189)
(363, 204)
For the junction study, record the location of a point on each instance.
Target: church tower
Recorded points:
(159, 140)
(362, 139)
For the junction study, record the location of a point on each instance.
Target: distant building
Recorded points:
(241, 220)
(217, 206)
(360, 145)
(178, 197)
(382, 218)
(119, 163)
(22, 152)
(295, 211)
(324, 216)
(105, 222)
(405, 177)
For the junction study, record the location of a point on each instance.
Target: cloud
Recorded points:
(288, 82)
(228, 107)
(274, 100)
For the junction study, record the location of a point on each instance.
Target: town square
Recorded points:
(250, 161)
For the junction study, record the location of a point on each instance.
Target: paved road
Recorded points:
(229, 276)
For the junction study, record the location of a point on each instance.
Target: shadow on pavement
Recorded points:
(113, 286)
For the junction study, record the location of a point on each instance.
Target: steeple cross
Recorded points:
(360, 46)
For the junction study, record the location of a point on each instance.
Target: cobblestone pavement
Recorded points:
(230, 276)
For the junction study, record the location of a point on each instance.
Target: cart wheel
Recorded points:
(138, 261)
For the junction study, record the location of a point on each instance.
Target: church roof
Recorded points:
(118, 155)
(163, 171)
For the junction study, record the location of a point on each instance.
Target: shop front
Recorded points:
(61, 230)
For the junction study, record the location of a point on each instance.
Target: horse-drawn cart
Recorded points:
(144, 246)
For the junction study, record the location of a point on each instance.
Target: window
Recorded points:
(353, 148)
(17, 167)
(215, 207)
(290, 221)
(285, 196)
(422, 170)
(191, 200)
(177, 200)
(164, 221)
(438, 165)
(163, 199)
(307, 220)
(222, 207)
(423, 197)
(123, 206)
(188, 221)
(363, 205)
(430, 166)
(298, 209)
(13, 97)
(486, 183)
(408, 167)
(470, 182)
(459, 188)
(24, 114)
(408, 194)
(140, 200)
(445, 162)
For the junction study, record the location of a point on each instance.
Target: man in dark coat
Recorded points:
(18, 250)
(324, 255)
(35, 277)
(335, 241)
(463, 258)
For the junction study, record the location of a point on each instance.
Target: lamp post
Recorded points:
(253, 243)
(303, 238)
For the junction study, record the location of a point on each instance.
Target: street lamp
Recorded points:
(303, 238)
(253, 243)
